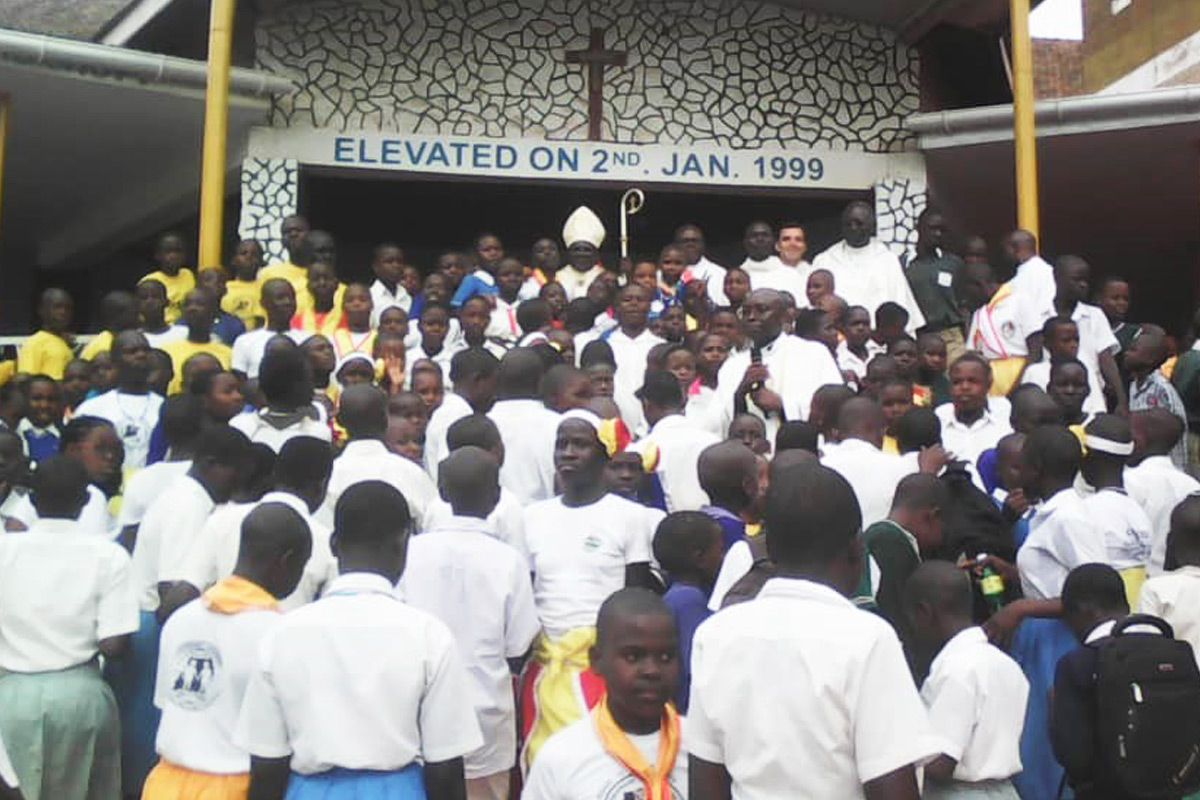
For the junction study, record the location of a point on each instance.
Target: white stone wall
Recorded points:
(735, 74)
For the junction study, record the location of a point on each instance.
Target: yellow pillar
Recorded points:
(216, 132)
(1024, 134)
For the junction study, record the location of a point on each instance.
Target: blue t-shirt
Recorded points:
(689, 604)
(478, 282)
(733, 529)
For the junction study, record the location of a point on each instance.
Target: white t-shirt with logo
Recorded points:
(133, 415)
(573, 765)
(204, 665)
(578, 556)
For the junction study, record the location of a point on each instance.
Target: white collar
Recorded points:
(1061, 497)
(967, 637)
(802, 589)
(55, 525)
(364, 447)
(1106, 628)
(670, 422)
(953, 421)
(457, 524)
(288, 499)
(852, 443)
(360, 583)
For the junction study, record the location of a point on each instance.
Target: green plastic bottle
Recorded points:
(991, 584)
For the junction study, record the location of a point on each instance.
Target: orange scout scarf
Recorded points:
(616, 743)
(233, 594)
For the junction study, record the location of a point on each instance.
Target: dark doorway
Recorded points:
(429, 216)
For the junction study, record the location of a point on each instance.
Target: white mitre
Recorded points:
(583, 226)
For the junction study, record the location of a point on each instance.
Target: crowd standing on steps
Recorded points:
(537, 525)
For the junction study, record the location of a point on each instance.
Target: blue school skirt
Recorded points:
(1037, 646)
(132, 680)
(359, 784)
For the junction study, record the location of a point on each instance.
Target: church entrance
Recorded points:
(430, 215)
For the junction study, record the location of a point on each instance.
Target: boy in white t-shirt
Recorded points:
(583, 545)
(975, 693)
(207, 653)
(629, 746)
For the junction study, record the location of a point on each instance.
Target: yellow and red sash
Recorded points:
(655, 778)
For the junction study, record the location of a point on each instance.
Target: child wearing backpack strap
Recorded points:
(1125, 716)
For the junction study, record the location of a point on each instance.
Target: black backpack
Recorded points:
(1148, 711)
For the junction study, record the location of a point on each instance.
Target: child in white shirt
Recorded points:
(975, 693)
(1175, 595)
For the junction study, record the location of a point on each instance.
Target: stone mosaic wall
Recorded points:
(735, 74)
(898, 203)
(269, 189)
(738, 74)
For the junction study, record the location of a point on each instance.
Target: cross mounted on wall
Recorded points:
(596, 58)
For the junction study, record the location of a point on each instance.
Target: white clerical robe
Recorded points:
(576, 283)
(714, 274)
(869, 277)
(771, 273)
(797, 369)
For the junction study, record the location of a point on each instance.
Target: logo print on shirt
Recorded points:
(195, 667)
(592, 542)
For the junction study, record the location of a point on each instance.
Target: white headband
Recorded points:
(1100, 444)
(582, 414)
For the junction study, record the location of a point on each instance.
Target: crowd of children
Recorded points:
(556, 530)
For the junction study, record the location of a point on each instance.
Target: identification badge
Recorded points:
(945, 279)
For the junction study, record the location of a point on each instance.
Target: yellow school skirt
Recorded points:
(169, 781)
(1005, 374)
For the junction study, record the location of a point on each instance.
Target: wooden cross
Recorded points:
(596, 58)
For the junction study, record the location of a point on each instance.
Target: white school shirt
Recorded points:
(1061, 538)
(847, 361)
(214, 554)
(527, 429)
(737, 562)
(369, 460)
(250, 347)
(62, 590)
(93, 519)
(967, 442)
(205, 662)
(1095, 338)
(1127, 531)
(259, 431)
(976, 697)
(443, 358)
(383, 298)
(503, 322)
(714, 274)
(144, 488)
(133, 415)
(997, 328)
(1038, 374)
(578, 556)
(630, 355)
(452, 409)
(166, 536)
(680, 441)
(871, 473)
(703, 409)
(1175, 596)
(829, 705)
(869, 276)
(392, 688)
(480, 588)
(1158, 486)
(1035, 290)
(573, 765)
(506, 523)
(797, 367)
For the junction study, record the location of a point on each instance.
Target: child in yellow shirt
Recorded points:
(170, 255)
(49, 350)
(241, 293)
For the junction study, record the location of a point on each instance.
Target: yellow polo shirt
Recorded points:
(242, 300)
(183, 349)
(296, 276)
(177, 287)
(44, 353)
(100, 343)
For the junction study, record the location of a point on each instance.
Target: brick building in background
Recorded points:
(1138, 45)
